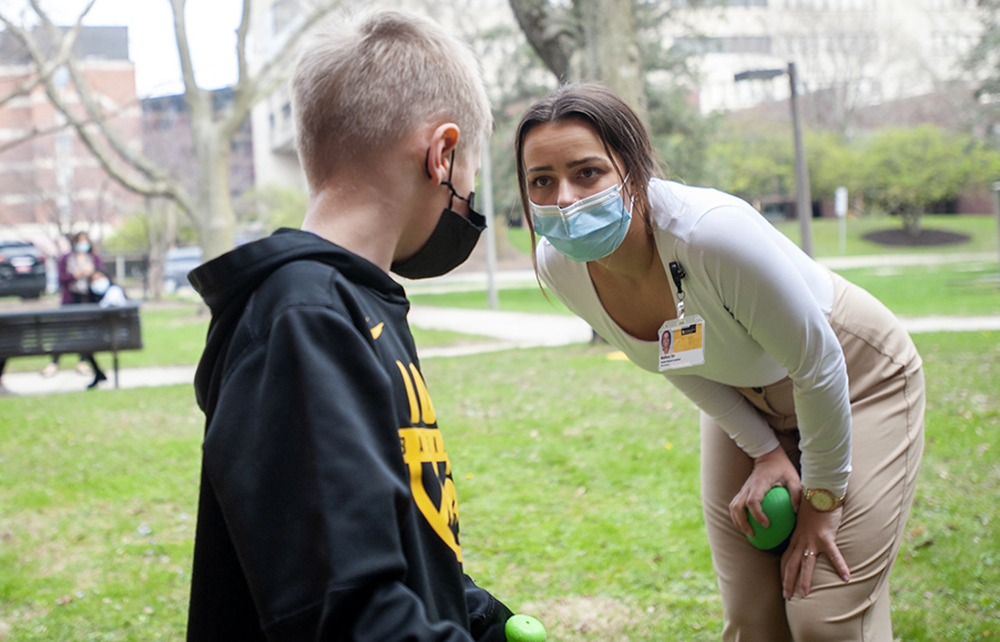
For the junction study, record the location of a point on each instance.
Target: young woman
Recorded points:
(803, 379)
(75, 269)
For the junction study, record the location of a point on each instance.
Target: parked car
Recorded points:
(176, 266)
(22, 270)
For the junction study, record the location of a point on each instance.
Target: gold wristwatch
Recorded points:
(822, 499)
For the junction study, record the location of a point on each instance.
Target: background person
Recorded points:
(328, 510)
(75, 269)
(803, 379)
(107, 295)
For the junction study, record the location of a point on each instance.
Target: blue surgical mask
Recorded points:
(82, 247)
(100, 286)
(589, 229)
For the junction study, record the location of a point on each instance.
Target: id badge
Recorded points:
(682, 343)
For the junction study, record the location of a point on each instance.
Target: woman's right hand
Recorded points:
(769, 470)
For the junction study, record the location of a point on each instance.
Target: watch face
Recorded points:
(821, 500)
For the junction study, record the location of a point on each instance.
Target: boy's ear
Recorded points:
(443, 141)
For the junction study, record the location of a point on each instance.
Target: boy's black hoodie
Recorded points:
(327, 507)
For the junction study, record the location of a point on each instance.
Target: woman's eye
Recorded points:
(540, 181)
(589, 172)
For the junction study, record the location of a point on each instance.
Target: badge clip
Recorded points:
(677, 273)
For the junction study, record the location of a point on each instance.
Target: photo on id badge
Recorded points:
(682, 343)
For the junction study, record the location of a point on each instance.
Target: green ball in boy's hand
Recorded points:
(524, 628)
(777, 505)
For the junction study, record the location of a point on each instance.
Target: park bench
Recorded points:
(81, 328)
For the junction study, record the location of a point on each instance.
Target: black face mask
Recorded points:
(451, 242)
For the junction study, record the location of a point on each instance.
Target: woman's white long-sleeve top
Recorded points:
(766, 307)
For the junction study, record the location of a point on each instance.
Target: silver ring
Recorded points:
(808, 553)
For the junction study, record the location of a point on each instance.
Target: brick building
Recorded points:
(51, 183)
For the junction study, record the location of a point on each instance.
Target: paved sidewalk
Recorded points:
(69, 380)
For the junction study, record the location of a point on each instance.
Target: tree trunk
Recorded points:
(611, 51)
(911, 220)
(551, 32)
(596, 40)
(161, 230)
(213, 213)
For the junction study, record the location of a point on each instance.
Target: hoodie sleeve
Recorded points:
(307, 470)
(487, 615)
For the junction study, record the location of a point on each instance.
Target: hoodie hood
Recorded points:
(227, 283)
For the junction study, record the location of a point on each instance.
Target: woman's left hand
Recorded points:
(815, 534)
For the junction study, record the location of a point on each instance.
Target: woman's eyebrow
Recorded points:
(569, 165)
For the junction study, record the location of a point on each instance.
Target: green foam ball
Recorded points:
(777, 505)
(524, 628)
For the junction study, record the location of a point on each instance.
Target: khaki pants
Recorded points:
(887, 409)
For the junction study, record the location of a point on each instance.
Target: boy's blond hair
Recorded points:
(362, 85)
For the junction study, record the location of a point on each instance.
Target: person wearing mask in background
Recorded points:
(75, 269)
(803, 379)
(107, 295)
(328, 510)
(105, 292)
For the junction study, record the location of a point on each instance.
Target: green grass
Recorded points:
(99, 509)
(982, 231)
(950, 289)
(571, 509)
(966, 288)
(174, 335)
(526, 299)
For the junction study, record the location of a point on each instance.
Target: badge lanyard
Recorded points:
(682, 341)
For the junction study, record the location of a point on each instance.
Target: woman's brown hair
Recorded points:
(620, 129)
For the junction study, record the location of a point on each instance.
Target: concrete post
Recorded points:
(486, 180)
(996, 210)
(804, 195)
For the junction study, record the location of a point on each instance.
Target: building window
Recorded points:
(729, 45)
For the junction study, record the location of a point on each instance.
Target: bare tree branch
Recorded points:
(35, 132)
(153, 185)
(55, 129)
(157, 182)
(241, 44)
(197, 99)
(45, 70)
(25, 87)
(274, 72)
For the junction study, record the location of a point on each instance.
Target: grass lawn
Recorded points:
(957, 289)
(982, 231)
(524, 299)
(571, 509)
(951, 289)
(173, 334)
